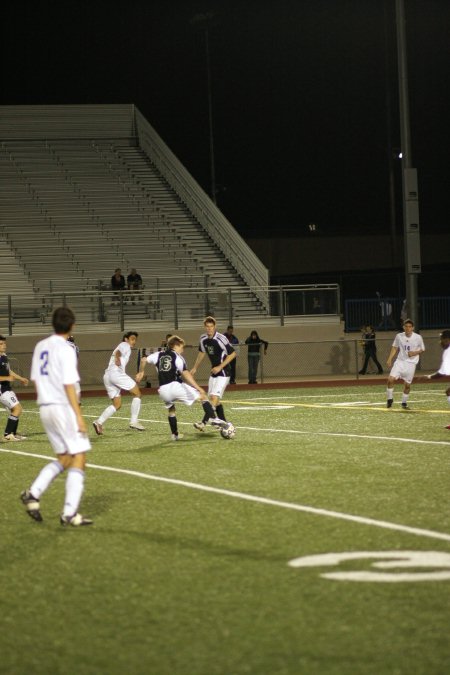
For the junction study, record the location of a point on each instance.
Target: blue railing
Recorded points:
(389, 313)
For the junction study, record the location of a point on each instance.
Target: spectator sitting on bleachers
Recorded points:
(117, 283)
(134, 283)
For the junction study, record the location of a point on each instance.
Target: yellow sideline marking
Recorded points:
(362, 520)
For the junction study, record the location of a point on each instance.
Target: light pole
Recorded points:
(204, 21)
(411, 231)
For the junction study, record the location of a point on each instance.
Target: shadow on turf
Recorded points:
(189, 543)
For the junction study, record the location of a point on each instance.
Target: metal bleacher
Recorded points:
(76, 205)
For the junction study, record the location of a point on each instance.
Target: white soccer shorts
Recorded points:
(403, 370)
(217, 385)
(115, 380)
(60, 424)
(178, 391)
(9, 400)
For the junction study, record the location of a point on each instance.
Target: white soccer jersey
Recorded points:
(445, 365)
(125, 353)
(53, 366)
(408, 344)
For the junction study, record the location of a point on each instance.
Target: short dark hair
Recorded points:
(2, 338)
(445, 334)
(62, 320)
(210, 319)
(129, 334)
(410, 321)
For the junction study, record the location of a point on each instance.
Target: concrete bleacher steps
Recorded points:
(78, 211)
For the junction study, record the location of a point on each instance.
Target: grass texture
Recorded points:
(186, 568)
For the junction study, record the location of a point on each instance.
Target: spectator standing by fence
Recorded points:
(234, 341)
(370, 350)
(254, 343)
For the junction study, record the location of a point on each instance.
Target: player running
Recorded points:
(220, 354)
(406, 350)
(7, 396)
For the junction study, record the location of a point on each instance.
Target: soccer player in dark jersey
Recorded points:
(220, 354)
(7, 396)
(172, 370)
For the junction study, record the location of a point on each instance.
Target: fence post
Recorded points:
(230, 308)
(356, 359)
(262, 365)
(122, 318)
(175, 310)
(10, 321)
(281, 303)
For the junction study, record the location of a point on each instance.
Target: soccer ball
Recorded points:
(228, 433)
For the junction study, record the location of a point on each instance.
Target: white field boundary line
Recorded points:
(259, 500)
(300, 432)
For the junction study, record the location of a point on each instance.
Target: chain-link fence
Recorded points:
(284, 361)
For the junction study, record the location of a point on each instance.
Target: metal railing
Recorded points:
(389, 313)
(174, 307)
(284, 361)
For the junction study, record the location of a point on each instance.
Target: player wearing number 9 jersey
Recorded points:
(55, 374)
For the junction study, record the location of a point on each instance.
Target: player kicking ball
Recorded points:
(177, 384)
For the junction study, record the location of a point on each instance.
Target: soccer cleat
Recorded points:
(137, 426)
(98, 428)
(389, 402)
(200, 426)
(176, 437)
(11, 437)
(218, 423)
(405, 406)
(31, 505)
(75, 521)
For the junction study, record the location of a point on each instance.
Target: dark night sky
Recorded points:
(299, 96)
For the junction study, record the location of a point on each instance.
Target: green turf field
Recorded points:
(187, 571)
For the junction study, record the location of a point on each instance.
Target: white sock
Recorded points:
(389, 393)
(45, 477)
(106, 414)
(135, 408)
(74, 490)
(405, 398)
(448, 399)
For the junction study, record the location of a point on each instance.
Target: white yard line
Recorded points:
(259, 500)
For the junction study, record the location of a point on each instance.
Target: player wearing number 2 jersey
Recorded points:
(406, 350)
(55, 374)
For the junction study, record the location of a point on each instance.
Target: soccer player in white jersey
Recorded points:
(172, 370)
(220, 354)
(406, 350)
(444, 369)
(116, 379)
(54, 372)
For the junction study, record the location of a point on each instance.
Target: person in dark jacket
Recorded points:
(370, 350)
(254, 343)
